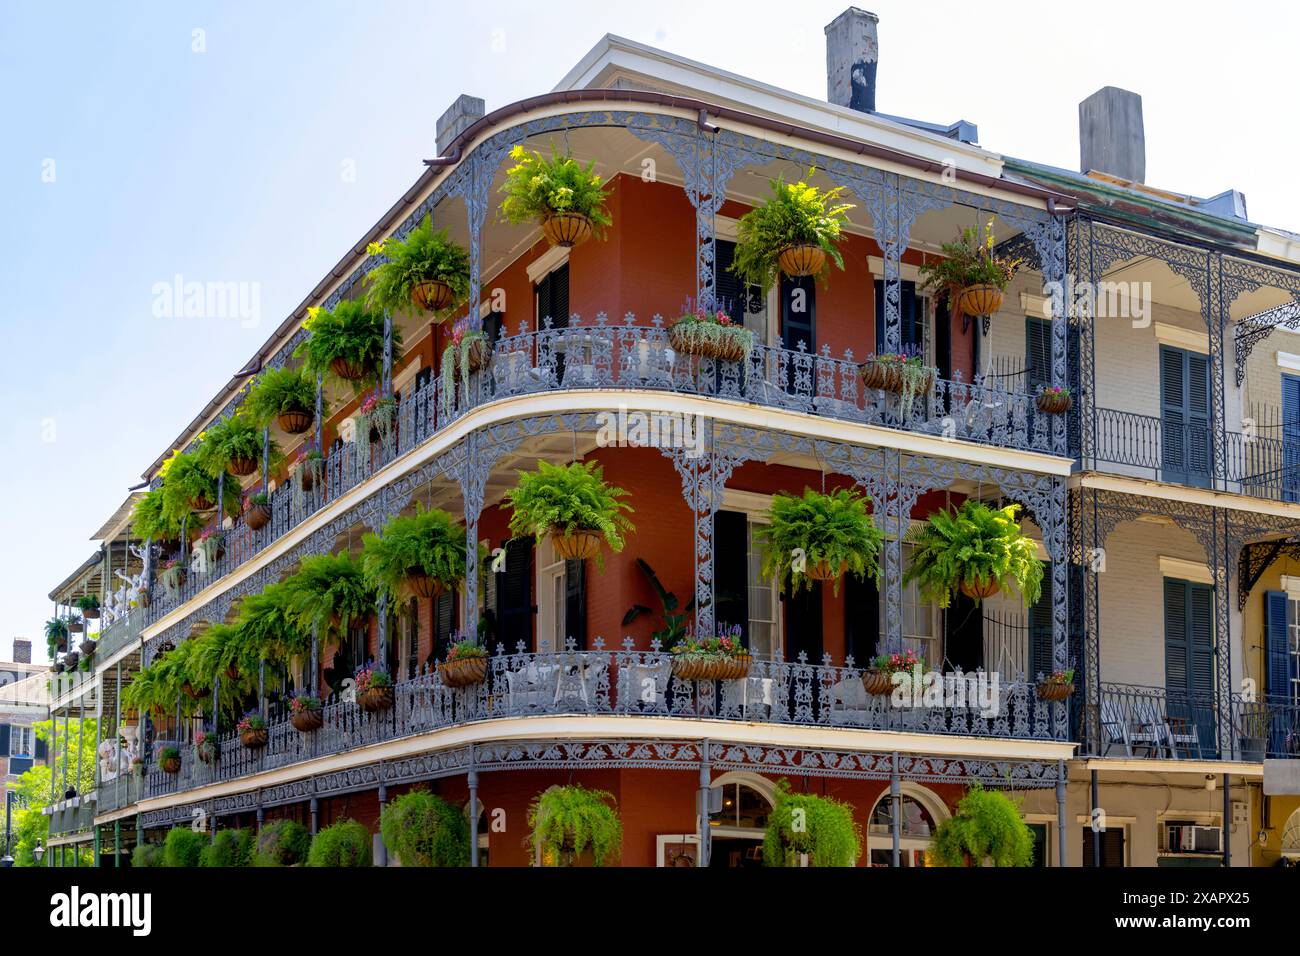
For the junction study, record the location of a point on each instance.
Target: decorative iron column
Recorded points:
(383, 802)
(386, 376)
(706, 783)
(896, 812)
(472, 780)
(1062, 778)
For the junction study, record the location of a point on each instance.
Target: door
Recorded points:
(1189, 668)
(799, 328)
(1112, 847)
(553, 303)
(861, 618)
(1281, 667)
(1185, 449)
(731, 571)
(514, 597)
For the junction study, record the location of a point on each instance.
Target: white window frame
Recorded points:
(18, 733)
(755, 507)
(550, 614)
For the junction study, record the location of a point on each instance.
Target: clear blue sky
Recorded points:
(225, 165)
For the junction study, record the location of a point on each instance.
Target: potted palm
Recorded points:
(574, 505)
(347, 343)
(306, 713)
(285, 396)
(711, 334)
(804, 827)
(796, 231)
(986, 828)
(971, 273)
(819, 537)
(252, 730)
(567, 198)
(374, 689)
(976, 549)
(569, 822)
(466, 663)
(257, 510)
(423, 554)
(425, 271)
(724, 657)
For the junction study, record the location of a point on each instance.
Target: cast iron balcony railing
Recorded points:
(635, 358)
(624, 683)
(1182, 453)
(120, 791)
(1137, 721)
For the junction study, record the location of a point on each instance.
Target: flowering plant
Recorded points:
(1054, 391)
(728, 643)
(251, 721)
(371, 677)
(205, 745)
(456, 358)
(969, 261)
(711, 333)
(906, 662)
(1060, 678)
(465, 647)
(537, 188)
(303, 703)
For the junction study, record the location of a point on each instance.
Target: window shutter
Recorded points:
(514, 596)
(799, 325)
(560, 295)
(1038, 353)
(1199, 456)
(1173, 414)
(444, 621)
(1176, 665)
(1290, 439)
(492, 326)
(1200, 635)
(731, 571)
(1040, 628)
(4, 740)
(41, 747)
(1112, 846)
(575, 601)
(728, 290)
(1277, 672)
(861, 618)
(803, 624)
(964, 633)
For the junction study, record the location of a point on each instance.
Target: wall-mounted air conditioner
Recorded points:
(1184, 838)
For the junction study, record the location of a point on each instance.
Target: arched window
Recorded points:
(921, 813)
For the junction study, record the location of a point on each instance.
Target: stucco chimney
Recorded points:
(1111, 139)
(459, 117)
(852, 48)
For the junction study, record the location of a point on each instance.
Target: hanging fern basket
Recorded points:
(807, 259)
(348, 369)
(294, 421)
(202, 503)
(980, 300)
(464, 672)
(422, 585)
(979, 590)
(580, 545)
(566, 228)
(432, 295)
(242, 466)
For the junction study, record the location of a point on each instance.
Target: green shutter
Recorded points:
(1040, 628)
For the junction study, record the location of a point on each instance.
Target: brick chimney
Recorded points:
(852, 48)
(22, 651)
(459, 117)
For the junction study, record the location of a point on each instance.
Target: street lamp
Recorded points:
(38, 853)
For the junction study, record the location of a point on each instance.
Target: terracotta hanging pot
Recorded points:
(822, 571)
(91, 614)
(202, 503)
(806, 259)
(566, 228)
(710, 667)
(170, 764)
(294, 421)
(980, 300)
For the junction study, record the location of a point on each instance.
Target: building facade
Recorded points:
(1163, 503)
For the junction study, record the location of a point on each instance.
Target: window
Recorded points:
(552, 294)
(743, 303)
(742, 594)
(1189, 666)
(743, 807)
(22, 742)
(493, 325)
(513, 596)
(563, 611)
(917, 823)
(1184, 416)
(411, 653)
(799, 313)
(919, 627)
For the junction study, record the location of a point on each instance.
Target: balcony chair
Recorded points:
(852, 706)
(1142, 726)
(513, 373)
(578, 682)
(532, 688)
(750, 698)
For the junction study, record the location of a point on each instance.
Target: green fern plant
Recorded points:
(186, 482)
(425, 830)
(150, 520)
(329, 591)
(566, 821)
(429, 541)
(423, 256)
(795, 214)
(977, 546)
(235, 437)
(987, 825)
(970, 260)
(833, 529)
(352, 332)
(537, 187)
(226, 649)
(268, 626)
(559, 499)
(805, 824)
(278, 391)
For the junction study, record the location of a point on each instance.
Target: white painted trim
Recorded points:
(753, 502)
(1289, 361)
(546, 263)
(554, 403)
(725, 227)
(1179, 337)
(1185, 570)
(1236, 768)
(635, 728)
(1291, 585)
(906, 270)
(1201, 496)
(1039, 306)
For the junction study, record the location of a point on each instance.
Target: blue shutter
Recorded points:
(1290, 438)
(1199, 455)
(1038, 353)
(1277, 669)
(4, 740)
(1173, 416)
(1189, 659)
